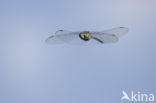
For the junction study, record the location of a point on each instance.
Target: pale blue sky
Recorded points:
(33, 72)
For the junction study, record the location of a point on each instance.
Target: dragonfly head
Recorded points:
(85, 35)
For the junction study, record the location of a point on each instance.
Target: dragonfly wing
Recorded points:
(74, 39)
(101, 37)
(118, 31)
(62, 32)
(54, 40)
(65, 37)
(57, 38)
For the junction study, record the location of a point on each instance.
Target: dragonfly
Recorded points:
(82, 37)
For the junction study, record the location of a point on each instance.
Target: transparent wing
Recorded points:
(56, 39)
(65, 37)
(100, 37)
(118, 31)
(62, 32)
(72, 38)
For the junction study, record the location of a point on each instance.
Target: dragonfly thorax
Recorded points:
(85, 35)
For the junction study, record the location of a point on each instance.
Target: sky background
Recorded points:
(32, 71)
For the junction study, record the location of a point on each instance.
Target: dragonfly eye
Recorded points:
(85, 36)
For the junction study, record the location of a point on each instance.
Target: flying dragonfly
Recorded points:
(82, 37)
